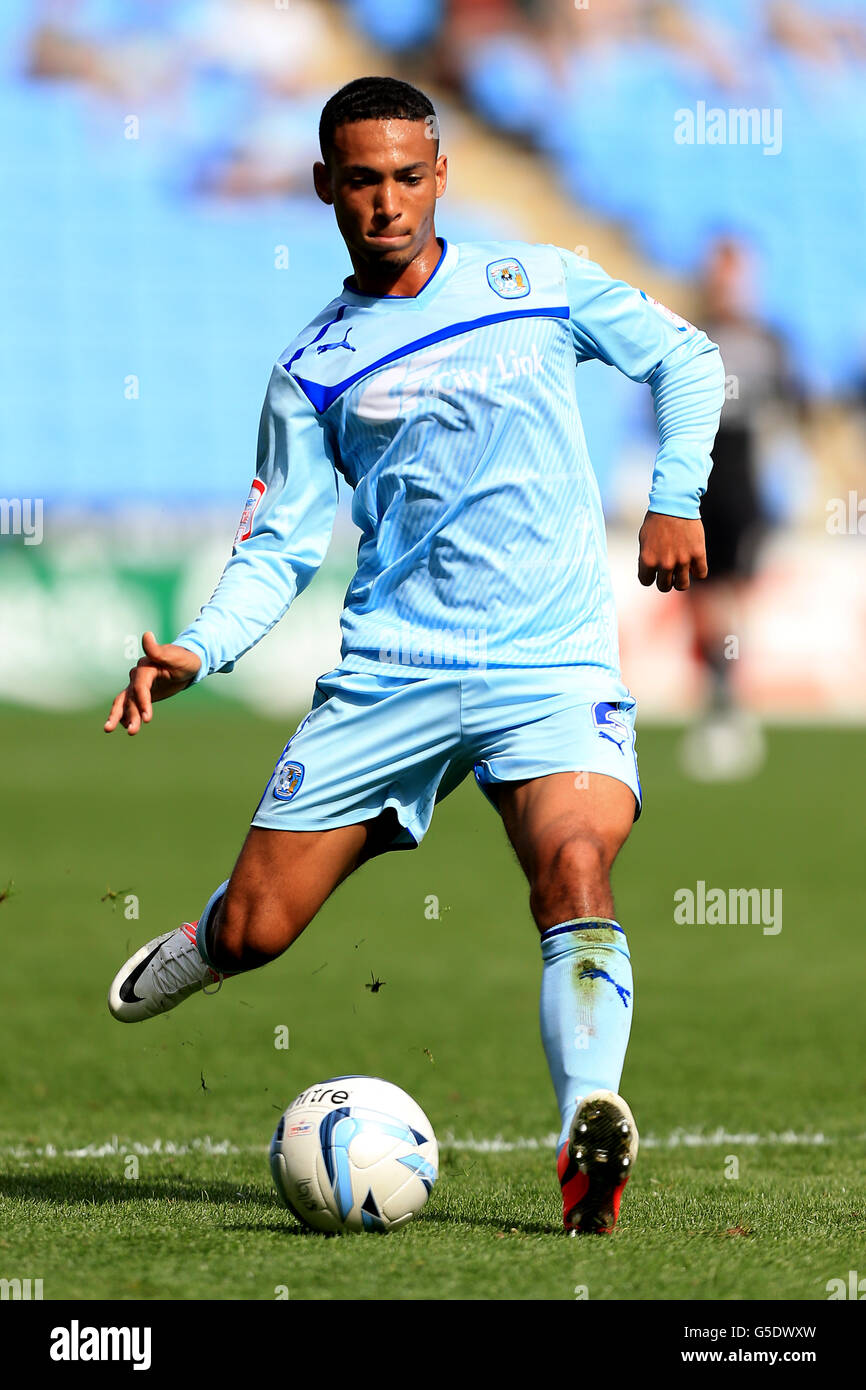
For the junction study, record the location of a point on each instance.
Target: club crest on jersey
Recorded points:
(245, 525)
(289, 779)
(508, 279)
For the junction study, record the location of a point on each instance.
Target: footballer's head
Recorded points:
(381, 170)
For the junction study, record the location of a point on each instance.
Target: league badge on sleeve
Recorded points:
(245, 525)
(679, 323)
(508, 279)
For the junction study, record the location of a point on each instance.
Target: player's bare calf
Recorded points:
(279, 883)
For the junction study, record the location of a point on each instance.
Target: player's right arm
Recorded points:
(281, 541)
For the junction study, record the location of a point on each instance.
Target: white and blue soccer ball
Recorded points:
(354, 1153)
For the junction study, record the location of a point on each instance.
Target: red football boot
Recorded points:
(596, 1163)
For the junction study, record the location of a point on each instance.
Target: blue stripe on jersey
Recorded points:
(323, 397)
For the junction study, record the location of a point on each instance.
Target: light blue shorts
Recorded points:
(373, 743)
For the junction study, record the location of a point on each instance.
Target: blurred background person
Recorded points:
(727, 742)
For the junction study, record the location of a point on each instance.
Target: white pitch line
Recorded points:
(218, 1148)
(113, 1148)
(680, 1138)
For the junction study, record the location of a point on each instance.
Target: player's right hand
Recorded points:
(161, 672)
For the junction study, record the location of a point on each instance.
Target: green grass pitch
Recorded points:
(746, 1052)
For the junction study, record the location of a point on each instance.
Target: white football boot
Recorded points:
(160, 976)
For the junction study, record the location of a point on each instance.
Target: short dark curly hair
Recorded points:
(374, 99)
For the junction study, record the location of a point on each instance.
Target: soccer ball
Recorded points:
(354, 1153)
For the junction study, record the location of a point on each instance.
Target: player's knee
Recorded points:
(575, 859)
(572, 879)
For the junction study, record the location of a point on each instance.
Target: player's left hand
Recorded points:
(672, 551)
(164, 670)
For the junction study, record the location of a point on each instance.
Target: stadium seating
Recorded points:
(118, 276)
(608, 124)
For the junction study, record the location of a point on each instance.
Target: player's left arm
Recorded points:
(618, 324)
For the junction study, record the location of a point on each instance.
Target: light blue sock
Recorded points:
(587, 994)
(201, 929)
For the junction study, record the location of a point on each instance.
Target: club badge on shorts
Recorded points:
(288, 780)
(610, 724)
(508, 279)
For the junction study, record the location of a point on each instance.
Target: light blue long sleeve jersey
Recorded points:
(453, 416)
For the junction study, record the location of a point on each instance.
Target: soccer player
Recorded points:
(479, 631)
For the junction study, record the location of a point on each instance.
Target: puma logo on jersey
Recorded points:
(326, 347)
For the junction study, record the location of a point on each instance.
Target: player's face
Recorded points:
(383, 179)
